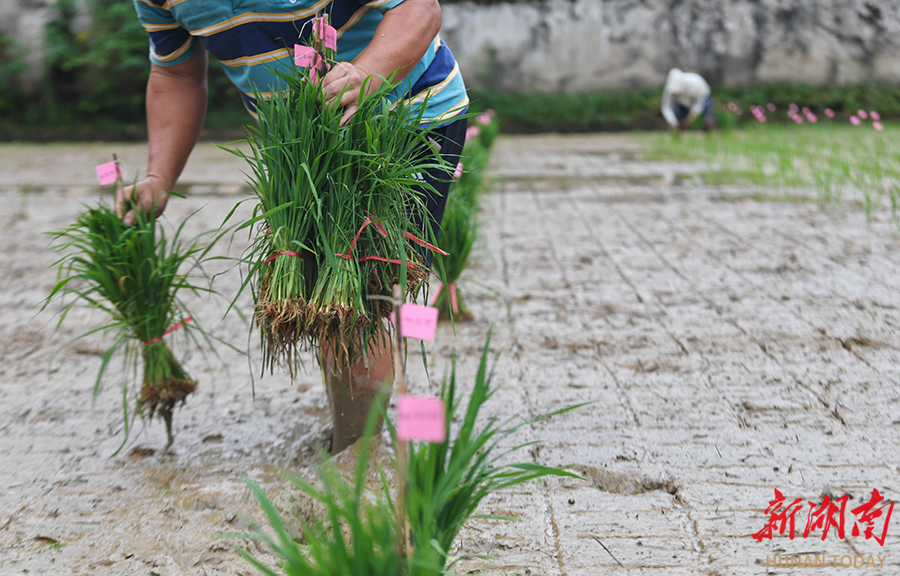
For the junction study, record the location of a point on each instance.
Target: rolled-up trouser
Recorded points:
(682, 112)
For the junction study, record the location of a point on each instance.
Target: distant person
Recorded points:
(686, 96)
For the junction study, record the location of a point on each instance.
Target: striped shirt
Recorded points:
(253, 37)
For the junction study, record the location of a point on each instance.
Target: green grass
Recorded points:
(835, 160)
(614, 110)
(36, 119)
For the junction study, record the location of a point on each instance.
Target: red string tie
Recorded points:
(175, 327)
(454, 304)
(383, 232)
(349, 255)
(282, 253)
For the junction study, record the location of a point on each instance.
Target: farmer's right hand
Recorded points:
(145, 195)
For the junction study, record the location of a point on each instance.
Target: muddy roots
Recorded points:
(290, 326)
(162, 399)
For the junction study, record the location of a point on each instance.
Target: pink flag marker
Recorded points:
(304, 56)
(421, 418)
(419, 322)
(108, 173)
(329, 36)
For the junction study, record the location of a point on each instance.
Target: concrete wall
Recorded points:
(583, 45)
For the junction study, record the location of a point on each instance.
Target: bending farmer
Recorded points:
(686, 95)
(253, 37)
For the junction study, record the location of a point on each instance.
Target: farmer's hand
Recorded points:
(143, 196)
(343, 86)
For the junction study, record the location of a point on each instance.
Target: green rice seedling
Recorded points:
(356, 534)
(475, 158)
(459, 231)
(359, 531)
(459, 228)
(335, 216)
(835, 161)
(133, 273)
(446, 481)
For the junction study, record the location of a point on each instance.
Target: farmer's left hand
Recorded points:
(147, 195)
(343, 85)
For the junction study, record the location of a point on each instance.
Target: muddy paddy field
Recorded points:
(732, 345)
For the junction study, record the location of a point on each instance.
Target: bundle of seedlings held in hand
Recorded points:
(132, 274)
(336, 217)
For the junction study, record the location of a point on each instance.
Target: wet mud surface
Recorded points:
(730, 346)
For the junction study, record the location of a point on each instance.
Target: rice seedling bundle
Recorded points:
(459, 228)
(446, 481)
(459, 231)
(336, 215)
(132, 273)
(360, 532)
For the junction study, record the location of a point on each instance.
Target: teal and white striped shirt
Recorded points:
(251, 37)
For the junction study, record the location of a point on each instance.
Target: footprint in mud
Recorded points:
(140, 452)
(621, 483)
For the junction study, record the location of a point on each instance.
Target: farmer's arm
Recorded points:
(176, 107)
(402, 37)
(697, 108)
(666, 107)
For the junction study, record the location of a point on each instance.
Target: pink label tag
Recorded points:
(420, 418)
(108, 173)
(329, 36)
(419, 322)
(304, 56)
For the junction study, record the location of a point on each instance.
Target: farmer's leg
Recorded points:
(353, 386)
(681, 114)
(352, 389)
(709, 121)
